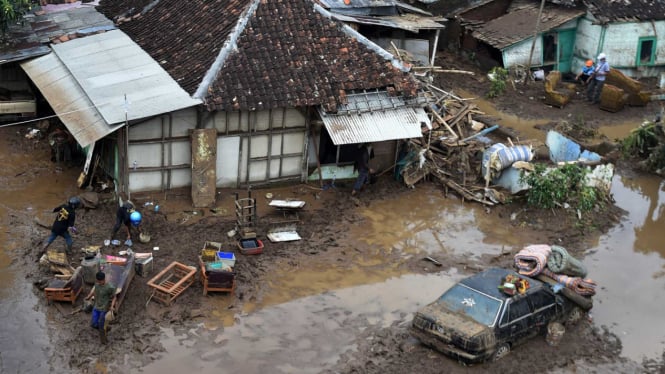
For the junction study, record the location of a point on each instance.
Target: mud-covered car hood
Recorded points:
(451, 322)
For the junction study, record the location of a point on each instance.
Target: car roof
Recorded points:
(488, 282)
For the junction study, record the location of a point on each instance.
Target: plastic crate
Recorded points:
(209, 251)
(227, 258)
(250, 246)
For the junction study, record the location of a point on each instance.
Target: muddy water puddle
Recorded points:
(27, 188)
(300, 336)
(629, 265)
(425, 222)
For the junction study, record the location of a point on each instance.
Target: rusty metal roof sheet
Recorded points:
(519, 24)
(86, 81)
(373, 117)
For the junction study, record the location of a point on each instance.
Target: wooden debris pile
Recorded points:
(452, 150)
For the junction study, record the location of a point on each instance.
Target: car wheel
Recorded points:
(574, 316)
(501, 351)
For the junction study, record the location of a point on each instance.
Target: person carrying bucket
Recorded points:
(130, 218)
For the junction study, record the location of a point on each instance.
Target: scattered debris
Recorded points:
(435, 262)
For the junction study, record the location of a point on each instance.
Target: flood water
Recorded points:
(28, 187)
(313, 315)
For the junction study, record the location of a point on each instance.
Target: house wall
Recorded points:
(260, 147)
(620, 42)
(252, 148)
(518, 54)
(159, 152)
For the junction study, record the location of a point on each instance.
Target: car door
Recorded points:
(516, 320)
(543, 305)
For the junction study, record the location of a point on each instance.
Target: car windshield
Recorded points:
(480, 307)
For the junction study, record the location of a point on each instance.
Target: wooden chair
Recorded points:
(216, 280)
(60, 289)
(171, 282)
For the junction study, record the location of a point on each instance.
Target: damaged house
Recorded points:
(502, 32)
(392, 24)
(569, 33)
(214, 94)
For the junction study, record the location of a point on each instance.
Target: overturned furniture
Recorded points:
(216, 280)
(612, 98)
(171, 282)
(637, 96)
(557, 93)
(65, 288)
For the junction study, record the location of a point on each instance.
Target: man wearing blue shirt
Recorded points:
(597, 79)
(586, 72)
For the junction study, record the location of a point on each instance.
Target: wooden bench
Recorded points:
(171, 282)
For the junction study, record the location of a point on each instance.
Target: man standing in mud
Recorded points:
(597, 79)
(104, 294)
(365, 153)
(64, 221)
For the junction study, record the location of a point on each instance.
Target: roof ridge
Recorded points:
(229, 45)
(363, 40)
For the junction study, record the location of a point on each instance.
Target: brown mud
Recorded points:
(180, 231)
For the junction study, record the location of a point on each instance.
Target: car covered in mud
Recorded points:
(476, 320)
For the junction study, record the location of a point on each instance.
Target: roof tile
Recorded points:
(287, 55)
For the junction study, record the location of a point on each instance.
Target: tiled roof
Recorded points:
(627, 10)
(184, 37)
(287, 54)
(518, 24)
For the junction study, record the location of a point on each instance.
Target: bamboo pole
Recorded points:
(535, 34)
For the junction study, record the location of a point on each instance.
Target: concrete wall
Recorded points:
(620, 42)
(519, 53)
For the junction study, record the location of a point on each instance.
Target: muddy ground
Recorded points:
(180, 231)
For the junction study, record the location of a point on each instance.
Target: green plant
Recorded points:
(551, 188)
(640, 140)
(12, 11)
(497, 76)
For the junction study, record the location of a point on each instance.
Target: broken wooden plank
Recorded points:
(459, 189)
(442, 121)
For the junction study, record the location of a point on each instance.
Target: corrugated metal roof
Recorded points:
(86, 80)
(373, 117)
(67, 99)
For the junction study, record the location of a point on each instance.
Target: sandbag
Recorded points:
(560, 262)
